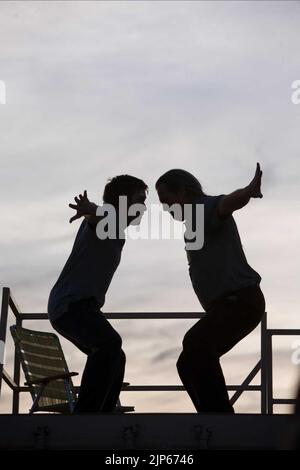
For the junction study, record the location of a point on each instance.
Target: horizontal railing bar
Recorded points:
(282, 332)
(154, 315)
(34, 316)
(254, 388)
(284, 401)
(176, 388)
(127, 315)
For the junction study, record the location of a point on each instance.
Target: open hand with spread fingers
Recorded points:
(83, 207)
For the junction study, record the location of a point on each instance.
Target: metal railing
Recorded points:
(264, 365)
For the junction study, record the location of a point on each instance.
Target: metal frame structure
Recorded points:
(264, 365)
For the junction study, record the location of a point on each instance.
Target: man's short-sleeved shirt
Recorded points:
(88, 271)
(220, 266)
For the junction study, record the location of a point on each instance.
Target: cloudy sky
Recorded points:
(95, 89)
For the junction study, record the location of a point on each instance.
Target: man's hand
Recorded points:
(241, 197)
(254, 188)
(83, 207)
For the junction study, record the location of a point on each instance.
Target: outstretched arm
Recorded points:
(84, 208)
(241, 197)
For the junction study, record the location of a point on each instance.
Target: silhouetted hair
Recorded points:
(122, 185)
(177, 179)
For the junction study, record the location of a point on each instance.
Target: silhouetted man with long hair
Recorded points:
(79, 294)
(226, 286)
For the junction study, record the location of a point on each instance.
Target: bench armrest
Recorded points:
(50, 378)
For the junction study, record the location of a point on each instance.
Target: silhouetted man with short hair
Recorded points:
(79, 294)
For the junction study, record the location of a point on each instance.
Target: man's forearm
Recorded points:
(240, 198)
(234, 201)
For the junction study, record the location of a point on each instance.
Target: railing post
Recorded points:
(269, 373)
(17, 363)
(3, 325)
(264, 365)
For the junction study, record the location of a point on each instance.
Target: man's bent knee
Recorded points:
(112, 344)
(181, 362)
